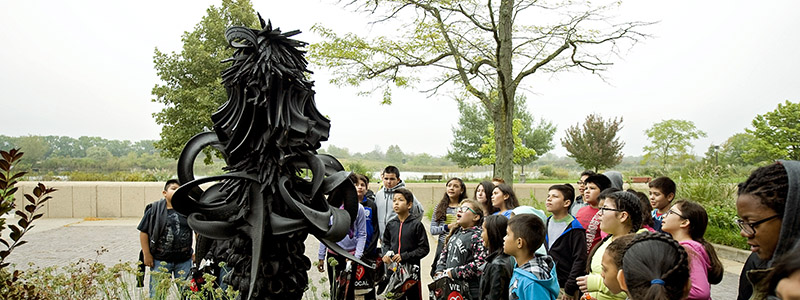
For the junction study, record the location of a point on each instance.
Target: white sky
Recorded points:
(85, 68)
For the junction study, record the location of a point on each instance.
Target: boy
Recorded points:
(579, 203)
(165, 237)
(406, 238)
(594, 185)
(383, 199)
(565, 240)
(662, 192)
(535, 275)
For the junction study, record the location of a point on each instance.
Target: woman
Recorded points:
(504, 200)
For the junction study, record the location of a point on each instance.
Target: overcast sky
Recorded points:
(84, 67)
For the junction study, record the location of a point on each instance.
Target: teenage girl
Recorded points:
(455, 192)
(483, 193)
(686, 221)
(654, 267)
(504, 199)
(498, 268)
(463, 256)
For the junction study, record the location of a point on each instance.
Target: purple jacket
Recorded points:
(355, 239)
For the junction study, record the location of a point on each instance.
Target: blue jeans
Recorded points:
(173, 268)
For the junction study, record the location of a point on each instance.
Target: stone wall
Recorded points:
(128, 199)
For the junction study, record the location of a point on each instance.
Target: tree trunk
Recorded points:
(503, 112)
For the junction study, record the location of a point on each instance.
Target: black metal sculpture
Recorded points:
(268, 131)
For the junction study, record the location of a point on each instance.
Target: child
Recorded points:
(463, 256)
(444, 215)
(504, 199)
(662, 192)
(686, 221)
(647, 218)
(499, 267)
(405, 236)
(482, 194)
(594, 185)
(579, 203)
(361, 183)
(654, 266)
(593, 232)
(612, 262)
(621, 215)
(565, 240)
(535, 275)
(165, 236)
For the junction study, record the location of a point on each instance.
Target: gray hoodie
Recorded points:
(616, 179)
(383, 201)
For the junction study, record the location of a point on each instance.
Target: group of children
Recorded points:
(617, 245)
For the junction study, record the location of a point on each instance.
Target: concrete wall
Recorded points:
(128, 199)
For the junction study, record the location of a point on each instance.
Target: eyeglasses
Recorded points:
(749, 228)
(465, 208)
(603, 209)
(581, 183)
(669, 212)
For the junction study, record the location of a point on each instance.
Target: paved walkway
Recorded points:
(63, 241)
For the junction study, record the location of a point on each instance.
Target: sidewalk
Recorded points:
(63, 241)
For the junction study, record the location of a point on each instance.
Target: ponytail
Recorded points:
(698, 222)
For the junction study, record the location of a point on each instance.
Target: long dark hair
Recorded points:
(647, 218)
(698, 222)
(655, 256)
(629, 203)
(488, 186)
(512, 201)
(440, 212)
(495, 227)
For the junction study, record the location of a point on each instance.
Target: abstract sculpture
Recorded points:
(268, 132)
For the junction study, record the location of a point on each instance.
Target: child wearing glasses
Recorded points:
(405, 236)
(463, 256)
(686, 221)
(621, 215)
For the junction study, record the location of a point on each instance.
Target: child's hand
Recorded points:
(582, 284)
(387, 259)
(321, 266)
(397, 258)
(148, 260)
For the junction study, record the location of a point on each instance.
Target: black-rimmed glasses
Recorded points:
(669, 212)
(603, 209)
(749, 228)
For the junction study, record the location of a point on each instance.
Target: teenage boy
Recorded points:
(367, 199)
(579, 203)
(594, 185)
(383, 199)
(535, 274)
(662, 192)
(406, 238)
(165, 237)
(565, 240)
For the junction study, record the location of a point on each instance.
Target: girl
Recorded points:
(498, 268)
(504, 199)
(768, 219)
(444, 215)
(482, 194)
(654, 267)
(463, 256)
(621, 215)
(686, 221)
(612, 261)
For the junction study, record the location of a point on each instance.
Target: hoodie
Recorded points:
(569, 252)
(383, 201)
(464, 255)
(616, 179)
(790, 231)
(355, 239)
(407, 238)
(526, 284)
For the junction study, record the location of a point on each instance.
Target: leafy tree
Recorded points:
(395, 155)
(34, 147)
(740, 149)
(778, 133)
(671, 141)
(521, 152)
(338, 152)
(595, 145)
(476, 47)
(191, 87)
(473, 125)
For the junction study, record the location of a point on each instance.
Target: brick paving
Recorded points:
(63, 241)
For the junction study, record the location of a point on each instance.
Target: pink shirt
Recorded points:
(699, 263)
(588, 218)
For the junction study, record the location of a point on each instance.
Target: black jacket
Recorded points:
(569, 253)
(496, 276)
(408, 238)
(370, 249)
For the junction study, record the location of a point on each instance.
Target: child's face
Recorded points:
(556, 202)
(454, 189)
(498, 198)
(390, 180)
(591, 194)
(400, 205)
(672, 222)
(480, 194)
(610, 221)
(658, 200)
(510, 242)
(609, 273)
(466, 216)
(361, 189)
(170, 190)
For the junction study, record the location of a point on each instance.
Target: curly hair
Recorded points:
(440, 212)
(770, 184)
(654, 256)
